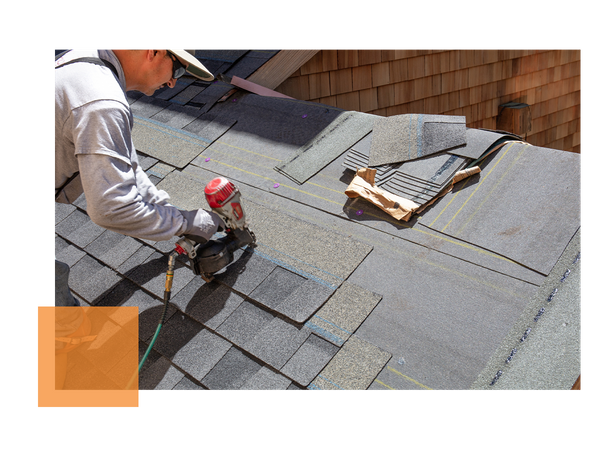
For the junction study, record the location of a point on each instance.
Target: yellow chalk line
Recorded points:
(409, 379)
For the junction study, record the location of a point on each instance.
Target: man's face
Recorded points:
(161, 72)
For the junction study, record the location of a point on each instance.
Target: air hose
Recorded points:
(167, 298)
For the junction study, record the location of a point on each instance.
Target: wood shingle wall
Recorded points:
(470, 83)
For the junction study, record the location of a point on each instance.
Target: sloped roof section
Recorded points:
(337, 294)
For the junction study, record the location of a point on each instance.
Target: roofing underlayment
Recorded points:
(479, 290)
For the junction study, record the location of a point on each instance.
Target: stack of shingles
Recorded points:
(417, 155)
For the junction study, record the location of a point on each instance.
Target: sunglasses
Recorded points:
(178, 68)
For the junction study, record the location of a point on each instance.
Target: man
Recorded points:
(94, 152)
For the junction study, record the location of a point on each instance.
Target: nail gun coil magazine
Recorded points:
(214, 255)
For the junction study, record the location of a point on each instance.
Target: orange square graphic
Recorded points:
(88, 356)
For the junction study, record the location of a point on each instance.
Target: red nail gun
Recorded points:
(206, 259)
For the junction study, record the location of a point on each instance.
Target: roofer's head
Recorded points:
(149, 70)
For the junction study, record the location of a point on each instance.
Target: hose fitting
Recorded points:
(170, 271)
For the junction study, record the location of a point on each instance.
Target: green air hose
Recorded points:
(167, 297)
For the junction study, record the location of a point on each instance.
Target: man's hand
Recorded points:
(201, 225)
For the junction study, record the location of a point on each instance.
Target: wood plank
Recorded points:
(319, 85)
(361, 78)
(297, 87)
(398, 70)
(347, 58)
(366, 57)
(330, 60)
(349, 101)
(340, 81)
(381, 74)
(278, 69)
(416, 67)
(368, 100)
(386, 96)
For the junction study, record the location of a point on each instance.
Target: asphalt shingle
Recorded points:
(343, 313)
(213, 309)
(151, 275)
(161, 375)
(170, 145)
(79, 229)
(91, 279)
(244, 323)
(201, 353)
(411, 136)
(333, 141)
(276, 342)
(355, 366)
(266, 379)
(309, 360)
(112, 248)
(232, 371)
(66, 253)
(246, 272)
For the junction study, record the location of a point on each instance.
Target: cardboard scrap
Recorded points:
(363, 185)
(465, 173)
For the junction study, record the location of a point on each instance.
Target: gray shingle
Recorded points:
(276, 287)
(61, 211)
(91, 279)
(201, 353)
(478, 141)
(140, 255)
(79, 229)
(175, 334)
(276, 342)
(150, 310)
(67, 253)
(170, 145)
(314, 250)
(347, 129)
(232, 371)
(161, 375)
(213, 309)
(151, 275)
(290, 294)
(309, 360)
(244, 323)
(410, 136)
(355, 366)
(343, 313)
(305, 300)
(246, 272)
(147, 107)
(187, 385)
(146, 162)
(113, 248)
(266, 379)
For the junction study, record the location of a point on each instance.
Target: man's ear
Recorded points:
(154, 52)
(149, 55)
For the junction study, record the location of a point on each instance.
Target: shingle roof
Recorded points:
(338, 295)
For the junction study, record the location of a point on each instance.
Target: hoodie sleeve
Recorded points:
(119, 195)
(116, 202)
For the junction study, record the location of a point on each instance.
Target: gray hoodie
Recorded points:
(93, 137)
